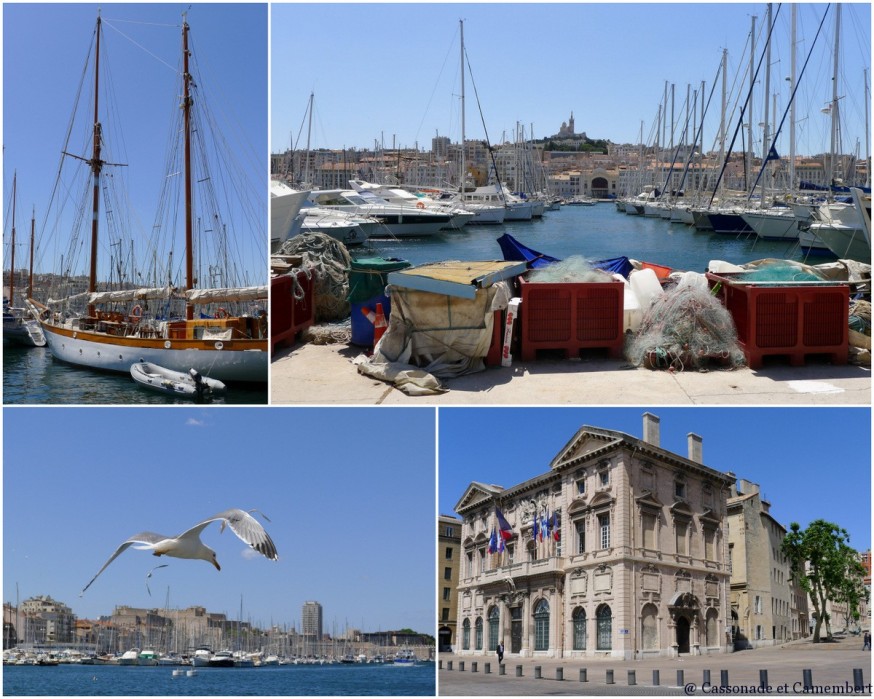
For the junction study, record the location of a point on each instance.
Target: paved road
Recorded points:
(831, 668)
(324, 374)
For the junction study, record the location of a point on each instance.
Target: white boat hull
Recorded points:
(226, 361)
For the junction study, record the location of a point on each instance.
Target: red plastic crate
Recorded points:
(572, 317)
(793, 319)
(289, 315)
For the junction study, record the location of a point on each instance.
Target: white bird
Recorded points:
(189, 545)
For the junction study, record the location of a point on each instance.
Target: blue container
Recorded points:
(367, 280)
(362, 328)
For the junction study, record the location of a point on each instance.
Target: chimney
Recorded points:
(695, 448)
(745, 487)
(651, 433)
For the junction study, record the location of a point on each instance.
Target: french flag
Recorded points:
(503, 525)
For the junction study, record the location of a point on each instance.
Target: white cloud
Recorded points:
(194, 422)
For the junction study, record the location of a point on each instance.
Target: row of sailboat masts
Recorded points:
(12, 248)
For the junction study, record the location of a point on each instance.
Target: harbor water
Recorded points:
(595, 232)
(33, 377)
(280, 680)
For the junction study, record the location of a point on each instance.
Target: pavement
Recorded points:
(310, 374)
(831, 667)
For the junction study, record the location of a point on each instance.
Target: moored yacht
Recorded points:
(397, 221)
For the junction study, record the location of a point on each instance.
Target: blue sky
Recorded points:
(349, 492)
(44, 58)
(390, 72)
(811, 463)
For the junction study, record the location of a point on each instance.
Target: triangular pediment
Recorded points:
(477, 494)
(585, 443)
(648, 499)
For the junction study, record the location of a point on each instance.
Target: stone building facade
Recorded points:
(634, 564)
(766, 608)
(449, 557)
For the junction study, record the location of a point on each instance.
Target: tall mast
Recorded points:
(186, 119)
(792, 102)
(306, 167)
(748, 157)
(96, 166)
(30, 275)
(12, 254)
(834, 109)
(461, 174)
(766, 134)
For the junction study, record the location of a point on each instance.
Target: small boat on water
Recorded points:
(191, 385)
(224, 658)
(404, 658)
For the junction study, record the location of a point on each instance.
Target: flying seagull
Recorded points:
(188, 543)
(149, 576)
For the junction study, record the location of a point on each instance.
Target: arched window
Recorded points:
(605, 628)
(478, 626)
(649, 629)
(579, 624)
(494, 618)
(465, 636)
(541, 625)
(711, 628)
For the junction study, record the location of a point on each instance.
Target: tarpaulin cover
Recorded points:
(367, 276)
(515, 251)
(444, 336)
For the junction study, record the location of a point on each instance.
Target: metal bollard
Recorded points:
(858, 680)
(502, 669)
(473, 666)
(632, 678)
(448, 664)
(705, 680)
(723, 678)
(807, 680)
(763, 679)
(680, 682)
(461, 666)
(609, 679)
(655, 678)
(518, 671)
(537, 672)
(488, 668)
(439, 664)
(584, 675)
(559, 673)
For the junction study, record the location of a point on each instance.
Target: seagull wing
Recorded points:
(148, 539)
(245, 526)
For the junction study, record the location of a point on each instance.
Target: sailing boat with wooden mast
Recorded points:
(116, 328)
(19, 326)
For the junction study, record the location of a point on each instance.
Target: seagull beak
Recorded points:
(215, 563)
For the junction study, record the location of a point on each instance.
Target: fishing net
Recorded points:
(329, 260)
(685, 328)
(573, 269)
(778, 272)
(329, 333)
(860, 317)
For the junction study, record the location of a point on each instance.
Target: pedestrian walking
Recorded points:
(866, 641)
(501, 652)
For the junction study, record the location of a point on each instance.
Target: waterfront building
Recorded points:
(449, 557)
(47, 621)
(633, 563)
(764, 605)
(311, 621)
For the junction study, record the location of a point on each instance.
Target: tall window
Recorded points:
(447, 591)
(494, 618)
(579, 622)
(604, 620)
(448, 553)
(710, 544)
(511, 553)
(682, 545)
(478, 626)
(580, 526)
(470, 564)
(541, 625)
(604, 527)
(465, 635)
(648, 525)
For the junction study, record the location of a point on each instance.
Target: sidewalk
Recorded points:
(830, 672)
(324, 374)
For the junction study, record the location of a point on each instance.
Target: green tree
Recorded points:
(825, 567)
